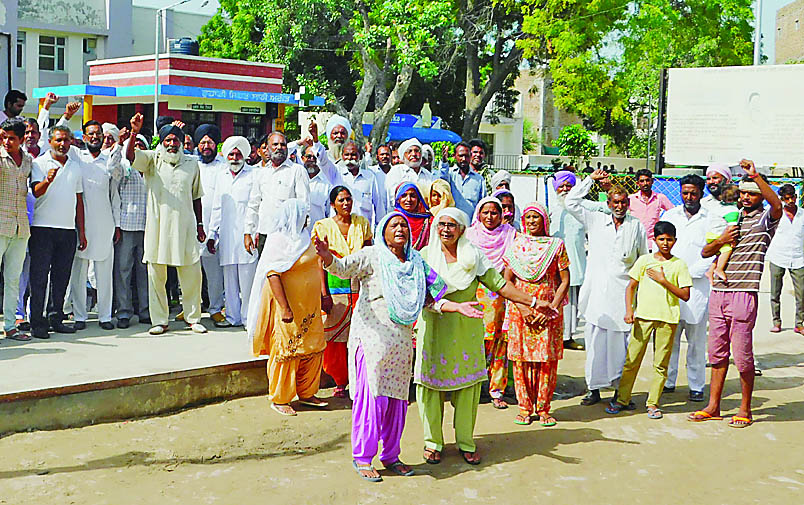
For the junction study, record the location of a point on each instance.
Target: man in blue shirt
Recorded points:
(467, 185)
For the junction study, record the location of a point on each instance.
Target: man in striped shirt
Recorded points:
(733, 303)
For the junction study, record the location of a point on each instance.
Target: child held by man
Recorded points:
(660, 280)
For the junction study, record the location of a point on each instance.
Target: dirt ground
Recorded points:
(241, 452)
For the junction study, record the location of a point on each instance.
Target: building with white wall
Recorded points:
(53, 41)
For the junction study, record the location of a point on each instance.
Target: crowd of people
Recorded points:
(401, 270)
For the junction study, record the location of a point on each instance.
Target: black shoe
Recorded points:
(78, 325)
(571, 344)
(145, 320)
(63, 328)
(591, 398)
(669, 389)
(696, 396)
(122, 323)
(25, 326)
(106, 325)
(40, 333)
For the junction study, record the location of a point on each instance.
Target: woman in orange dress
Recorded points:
(539, 266)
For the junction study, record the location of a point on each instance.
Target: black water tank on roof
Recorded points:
(184, 45)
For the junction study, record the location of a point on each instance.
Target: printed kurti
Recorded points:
(302, 337)
(527, 343)
(387, 346)
(449, 348)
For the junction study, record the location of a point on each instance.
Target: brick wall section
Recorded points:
(790, 32)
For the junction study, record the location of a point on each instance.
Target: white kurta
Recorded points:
(612, 252)
(228, 206)
(100, 177)
(209, 175)
(365, 194)
(319, 197)
(403, 173)
(170, 223)
(272, 186)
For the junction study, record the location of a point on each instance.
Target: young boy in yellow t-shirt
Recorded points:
(660, 280)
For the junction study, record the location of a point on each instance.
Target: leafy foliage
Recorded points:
(576, 142)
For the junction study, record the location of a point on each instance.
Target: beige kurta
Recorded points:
(170, 223)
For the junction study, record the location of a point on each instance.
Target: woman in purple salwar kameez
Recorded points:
(395, 284)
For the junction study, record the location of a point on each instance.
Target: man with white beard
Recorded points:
(339, 129)
(410, 170)
(100, 176)
(616, 240)
(362, 183)
(173, 223)
(207, 138)
(229, 203)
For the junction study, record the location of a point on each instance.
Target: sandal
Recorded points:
(615, 408)
(522, 419)
(466, 455)
(740, 422)
(17, 335)
(287, 411)
(654, 413)
(395, 467)
(432, 456)
(701, 415)
(314, 402)
(499, 403)
(547, 421)
(340, 392)
(366, 468)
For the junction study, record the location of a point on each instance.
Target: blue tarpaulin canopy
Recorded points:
(425, 135)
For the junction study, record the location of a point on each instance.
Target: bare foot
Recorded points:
(720, 274)
(284, 409)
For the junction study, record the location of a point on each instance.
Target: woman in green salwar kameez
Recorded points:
(450, 356)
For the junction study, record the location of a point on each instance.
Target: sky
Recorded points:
(769, 8)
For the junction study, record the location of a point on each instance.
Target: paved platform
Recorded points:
(97, 375)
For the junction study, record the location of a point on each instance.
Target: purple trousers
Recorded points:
(374, 419)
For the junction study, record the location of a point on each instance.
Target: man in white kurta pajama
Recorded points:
(172, 225)
(100, 176)
(615, 242)
(226, 225)
(207, 138)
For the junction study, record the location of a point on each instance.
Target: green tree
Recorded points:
(576, 142)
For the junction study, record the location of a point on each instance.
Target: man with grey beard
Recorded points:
(279, 180)
(362, 183)
(339, 129)
(616, 240)
(173, 223)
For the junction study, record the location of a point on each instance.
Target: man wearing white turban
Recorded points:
(111, 134)
(226, 227)
(339, 129)
(410, 170)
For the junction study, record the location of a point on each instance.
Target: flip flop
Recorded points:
(740, 422)
(700, 416)
(546, 421)
(319, 405)
(394, 467)
(655, 413)
(365, 468)
(431, 460)
(615, 408)
(522, 419)
(471, 462)
(499, 403)
(17, 335)
(277, 409)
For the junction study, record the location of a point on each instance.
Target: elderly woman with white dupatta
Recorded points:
(284, 321)
(395, 284)
(450, 355)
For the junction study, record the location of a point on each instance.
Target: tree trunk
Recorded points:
(382, 117)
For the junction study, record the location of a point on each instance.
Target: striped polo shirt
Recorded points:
(747, 260)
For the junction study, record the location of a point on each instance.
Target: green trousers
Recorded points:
(662, 334)
(431, 409)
